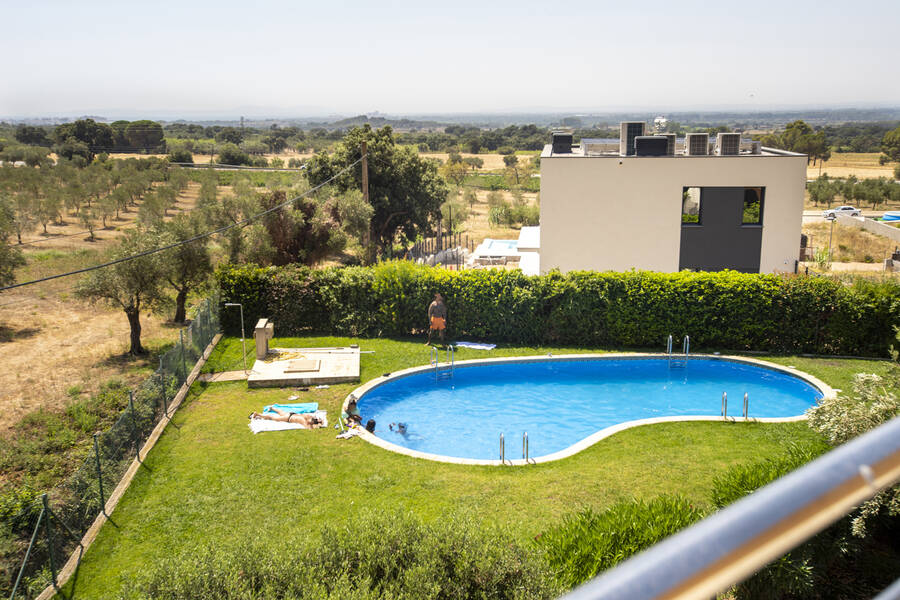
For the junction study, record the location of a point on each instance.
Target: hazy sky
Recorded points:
(224, 58)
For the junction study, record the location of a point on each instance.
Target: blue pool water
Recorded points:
(563, 401)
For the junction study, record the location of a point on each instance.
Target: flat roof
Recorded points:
(579, 152)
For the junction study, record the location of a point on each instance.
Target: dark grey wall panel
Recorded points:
(720, 241)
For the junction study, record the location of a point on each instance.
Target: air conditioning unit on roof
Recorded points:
(696, 144)
(628, 130)
(728, 144)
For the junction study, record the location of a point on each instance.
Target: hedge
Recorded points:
(723, 310)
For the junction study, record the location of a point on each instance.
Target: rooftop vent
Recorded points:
(696, 144)
(755, 147)
(628, 130)
(562, 142)
(728, 144)
(651, 145)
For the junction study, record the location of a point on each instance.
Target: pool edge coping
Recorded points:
(827, 393)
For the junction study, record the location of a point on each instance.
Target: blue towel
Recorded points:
(303, 407)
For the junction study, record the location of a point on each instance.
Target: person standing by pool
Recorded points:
(437, 317)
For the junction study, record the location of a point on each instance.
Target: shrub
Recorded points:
(589, 542)
(230, 154)
(181, 156)
(833, 564)
(725, 310)
(378, 556)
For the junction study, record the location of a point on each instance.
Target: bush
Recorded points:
(724, 310)
(181, 156)
(587, 542)
(393, 556)
(230, 154)
(836, 563)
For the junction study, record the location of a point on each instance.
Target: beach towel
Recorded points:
(260, 425)
(297, 409)
(475, 345)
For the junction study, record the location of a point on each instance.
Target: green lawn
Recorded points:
(211, 482)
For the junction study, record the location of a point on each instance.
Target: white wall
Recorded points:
(619, 213)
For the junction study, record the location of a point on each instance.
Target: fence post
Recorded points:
(134, 435)
(99, 475)
(183, 363)
(48, 528)
(34, 534)
(162, 390)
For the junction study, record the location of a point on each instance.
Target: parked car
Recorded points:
(849, 211)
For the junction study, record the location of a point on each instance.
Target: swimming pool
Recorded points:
(567, 402)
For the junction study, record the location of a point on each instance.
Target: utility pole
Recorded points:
(370, 251)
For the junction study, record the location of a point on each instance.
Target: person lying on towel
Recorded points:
(308, 420)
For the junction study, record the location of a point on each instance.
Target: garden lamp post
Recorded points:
(243, 347)
(832, 217)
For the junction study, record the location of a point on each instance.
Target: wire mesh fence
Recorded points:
(47, 530)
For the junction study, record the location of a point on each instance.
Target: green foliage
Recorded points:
(405, 190)
(890, 144)
(874, 400)
(742, 480)
(373, 556)
(836, 563)
(130, 285)
(181, 156)
(589, 542)
(726, 310)
(230, 154)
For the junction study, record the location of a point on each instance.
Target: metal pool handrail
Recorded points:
(735, 542)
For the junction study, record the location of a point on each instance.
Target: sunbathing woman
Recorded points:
(309, 420)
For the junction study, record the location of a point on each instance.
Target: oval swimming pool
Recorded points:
(560, 402)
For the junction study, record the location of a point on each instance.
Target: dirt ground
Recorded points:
(850, 244)
(49, 341)
(862, 164)
(477, 226)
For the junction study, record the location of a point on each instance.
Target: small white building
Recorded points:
(662, 204)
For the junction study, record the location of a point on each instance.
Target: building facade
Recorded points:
(736, 206)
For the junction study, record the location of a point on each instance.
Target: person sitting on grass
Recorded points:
(308, 420)
(437, 318)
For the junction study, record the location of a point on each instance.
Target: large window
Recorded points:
(753, 206)
(690, 206)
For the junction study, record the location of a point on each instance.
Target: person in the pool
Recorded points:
(308, 420)
(437, 318)
(398, 427)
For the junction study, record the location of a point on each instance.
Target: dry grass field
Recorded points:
(492, 162)
(477, 226)
(51, 341)
(850, 244)
(861, 164)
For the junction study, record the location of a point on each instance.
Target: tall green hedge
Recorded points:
(724, 310)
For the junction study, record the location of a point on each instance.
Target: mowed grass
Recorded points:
(210, 482)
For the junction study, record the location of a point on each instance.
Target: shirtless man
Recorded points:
(437, 318)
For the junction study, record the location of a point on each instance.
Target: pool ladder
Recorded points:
(725, 405)
(674, 361)
(445, 372)
(525, 449)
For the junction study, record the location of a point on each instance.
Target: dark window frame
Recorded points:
(699, 222)
(762, 206)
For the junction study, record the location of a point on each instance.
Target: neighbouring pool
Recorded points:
(560, 402)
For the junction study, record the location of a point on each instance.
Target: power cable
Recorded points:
(187, 241)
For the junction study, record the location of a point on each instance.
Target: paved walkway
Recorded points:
(223, 376)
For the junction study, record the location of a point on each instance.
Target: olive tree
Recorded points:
(130, 285)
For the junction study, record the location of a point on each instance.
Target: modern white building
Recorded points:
(661, 204)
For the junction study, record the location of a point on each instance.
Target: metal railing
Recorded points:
(83, 496)
(735, 542)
